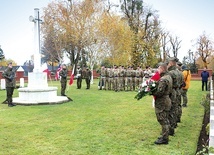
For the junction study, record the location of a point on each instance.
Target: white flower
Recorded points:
(153, 85)
(144, 84)
(146, 89)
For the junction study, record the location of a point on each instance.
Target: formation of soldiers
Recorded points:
(119, 78)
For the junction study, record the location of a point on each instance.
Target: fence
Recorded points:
(211, 135)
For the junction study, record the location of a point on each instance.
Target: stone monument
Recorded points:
(37, 91)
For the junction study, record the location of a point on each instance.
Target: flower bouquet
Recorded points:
(146, 89)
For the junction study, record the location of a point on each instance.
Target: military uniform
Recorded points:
(163, 106)
(110, 75)
(63, 74)
(174, 73)
(79, 77)
(116, 79)
(10, 77)
(102, 81)
(87, 76)
(179, 108)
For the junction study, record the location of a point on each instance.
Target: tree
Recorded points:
(145, 25)
(175, 44)
(204, 47)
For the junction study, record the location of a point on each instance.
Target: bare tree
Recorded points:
(204, 46)
(175, 44)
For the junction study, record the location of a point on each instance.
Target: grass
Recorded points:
(97, 122)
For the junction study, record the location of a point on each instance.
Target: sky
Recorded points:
(187, 19)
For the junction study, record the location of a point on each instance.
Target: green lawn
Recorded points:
(96, 123)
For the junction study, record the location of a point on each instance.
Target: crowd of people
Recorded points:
(120, 78)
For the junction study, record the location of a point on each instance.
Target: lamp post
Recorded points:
(37, 47)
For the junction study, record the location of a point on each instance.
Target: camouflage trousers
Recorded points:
(184, 96)
(116, 83)
(174, 109)
(128, 83)
(110, 83)
(137, 82)
(163, 119)
(179, 108)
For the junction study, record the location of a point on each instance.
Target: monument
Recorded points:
(38, 92)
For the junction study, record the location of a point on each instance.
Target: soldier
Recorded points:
(129, 79)
(10, 77)
(87, 76)
(147, 73)
(137, 77)
(121, 78)
(163, 103)
(174, 73)
(63, 74)
(110, 75)
(116, 78)
(179, 90)
(79, 77)
(102, 78)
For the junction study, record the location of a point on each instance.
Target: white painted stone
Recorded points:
(22, 83)
(3, 84)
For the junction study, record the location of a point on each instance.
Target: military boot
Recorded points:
(162, 140)
(171, 132)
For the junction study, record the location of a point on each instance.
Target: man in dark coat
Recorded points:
(10, 77)
(63, 74)
(204, 75)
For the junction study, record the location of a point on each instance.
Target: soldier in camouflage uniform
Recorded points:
(180, 81)
(137, 77)
(116, 78)
(121, 78)
(10, 77)
(128, 79)
(163, 103)
(110, 75)
(174, 73)
(102, 78)
(63, 74)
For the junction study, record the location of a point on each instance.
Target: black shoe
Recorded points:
(179, 120)
(171, 132)
(184, 105)
(11, 105)
(160, 141)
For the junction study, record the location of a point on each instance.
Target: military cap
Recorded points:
(162, 64)
(172, 59)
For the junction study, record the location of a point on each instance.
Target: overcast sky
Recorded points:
(186, 19)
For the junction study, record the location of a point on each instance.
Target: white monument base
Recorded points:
(38, 92)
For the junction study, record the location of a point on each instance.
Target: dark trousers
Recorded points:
(9, 94)
(204, 83)
(79, 83)
(63, 87)
(87, 80)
